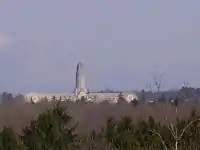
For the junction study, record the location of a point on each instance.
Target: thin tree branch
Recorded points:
(158, 134)
(187, 126)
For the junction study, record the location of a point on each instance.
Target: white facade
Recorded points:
(92, 97)
(80, 91)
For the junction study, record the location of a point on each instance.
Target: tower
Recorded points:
(80, 89)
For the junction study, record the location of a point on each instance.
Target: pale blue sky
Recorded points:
(123, 43)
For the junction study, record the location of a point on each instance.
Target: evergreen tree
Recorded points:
(10, 141)
(51, 131)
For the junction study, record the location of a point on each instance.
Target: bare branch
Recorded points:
(158, 82)
(174, 131)
(187, 126)
(171, 129)
(158, 134)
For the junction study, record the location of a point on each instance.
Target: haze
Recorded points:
(123, 44)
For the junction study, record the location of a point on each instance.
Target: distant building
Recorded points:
(81, 92)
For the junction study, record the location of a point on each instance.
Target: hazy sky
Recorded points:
(123, 43)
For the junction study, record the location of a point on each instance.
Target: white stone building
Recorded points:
(81, 92)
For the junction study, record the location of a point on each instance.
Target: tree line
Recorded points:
(7, 97)
(183, 94)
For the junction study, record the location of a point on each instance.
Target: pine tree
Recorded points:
(10, 141)
(51, 131)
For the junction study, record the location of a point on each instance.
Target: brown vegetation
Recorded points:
(92, 116)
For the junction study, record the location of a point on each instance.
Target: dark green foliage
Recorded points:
(50, 131)
(10, 141)
(54, 130)
(146, 135)
(126, 135)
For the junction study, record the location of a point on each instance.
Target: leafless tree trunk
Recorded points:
(158, 82)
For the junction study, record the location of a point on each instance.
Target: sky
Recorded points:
(123, 44)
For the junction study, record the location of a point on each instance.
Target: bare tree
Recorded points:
(158, 81)
(177, 135)
(149, 87)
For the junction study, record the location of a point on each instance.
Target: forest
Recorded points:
(89, 126)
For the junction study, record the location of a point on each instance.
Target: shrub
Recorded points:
(50, 131)
(10, 141)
